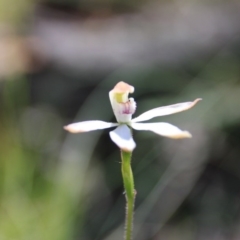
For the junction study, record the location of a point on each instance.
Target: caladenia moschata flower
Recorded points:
(123, 108)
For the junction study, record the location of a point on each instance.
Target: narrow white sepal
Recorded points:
(87, 126)
(167, 110)
(162, 128)
(122, 136)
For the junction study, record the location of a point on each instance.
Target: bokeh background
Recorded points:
(58, 61)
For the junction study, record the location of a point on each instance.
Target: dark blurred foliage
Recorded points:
(59, 60)
(86, 8)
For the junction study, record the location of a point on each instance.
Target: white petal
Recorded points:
(167, 110)
(122, 136)
(88, 126)
(164, 129)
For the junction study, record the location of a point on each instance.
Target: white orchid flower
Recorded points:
(123, 108)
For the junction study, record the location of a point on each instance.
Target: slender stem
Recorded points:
(128, 182)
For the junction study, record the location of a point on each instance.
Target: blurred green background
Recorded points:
(59, 60)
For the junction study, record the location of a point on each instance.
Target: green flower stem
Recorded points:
(129, 191)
